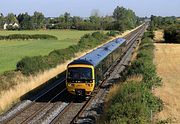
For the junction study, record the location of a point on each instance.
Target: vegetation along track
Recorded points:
(55, 106)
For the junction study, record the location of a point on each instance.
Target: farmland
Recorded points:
(169, 70)
(167, 60)
(12, 51)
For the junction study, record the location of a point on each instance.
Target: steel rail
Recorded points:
(46, 105)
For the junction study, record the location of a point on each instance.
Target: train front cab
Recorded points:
(80, 79)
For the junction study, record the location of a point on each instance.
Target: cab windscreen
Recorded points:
(79, 73)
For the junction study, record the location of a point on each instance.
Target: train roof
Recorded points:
(97, 55)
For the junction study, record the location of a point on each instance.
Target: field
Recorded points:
(167, 59)
(13, 51)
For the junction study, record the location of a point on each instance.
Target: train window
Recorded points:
(79, 73)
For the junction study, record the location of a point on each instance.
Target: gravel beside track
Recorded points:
(15, 109)
(67, 116)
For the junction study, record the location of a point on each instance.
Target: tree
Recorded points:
(107, 23)
(1, 21)
(124, 18)
(119, 13)
(11, 18)
(25, 21)
(38, 20)
(95, 19)
(119, 16)
(75, 21)
(67, 17)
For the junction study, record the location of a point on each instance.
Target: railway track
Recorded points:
(55, 106)
(41, 102)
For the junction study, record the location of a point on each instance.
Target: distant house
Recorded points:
(13, 25)
(5, 26)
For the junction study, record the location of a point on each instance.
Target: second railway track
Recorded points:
(39, 104)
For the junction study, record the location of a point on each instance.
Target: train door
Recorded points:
(98, 74)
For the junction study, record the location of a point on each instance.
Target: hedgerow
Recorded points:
(27, 37)
(134, 101)
(33, 65)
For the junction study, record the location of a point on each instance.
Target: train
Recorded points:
(88, 71)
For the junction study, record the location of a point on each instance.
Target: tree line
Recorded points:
(121, 20)
(159, 22)
(170, 25)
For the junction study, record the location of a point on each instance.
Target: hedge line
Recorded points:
(33, 65)
(27, 37)
(134, 102)
(172, 34)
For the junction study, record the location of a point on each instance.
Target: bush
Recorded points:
(132, 104)
(32, 65)
(112, 33)
(149, 34)
(172, 34)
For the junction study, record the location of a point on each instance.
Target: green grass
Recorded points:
(14, 50)
(60, 34)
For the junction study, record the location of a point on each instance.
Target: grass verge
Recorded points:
(133, 100)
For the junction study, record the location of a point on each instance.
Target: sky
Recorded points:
(84, 8)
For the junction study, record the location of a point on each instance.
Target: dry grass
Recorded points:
(167, 59)
(159, 36)
(26, 84)
(113, 90)
(136, 78)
